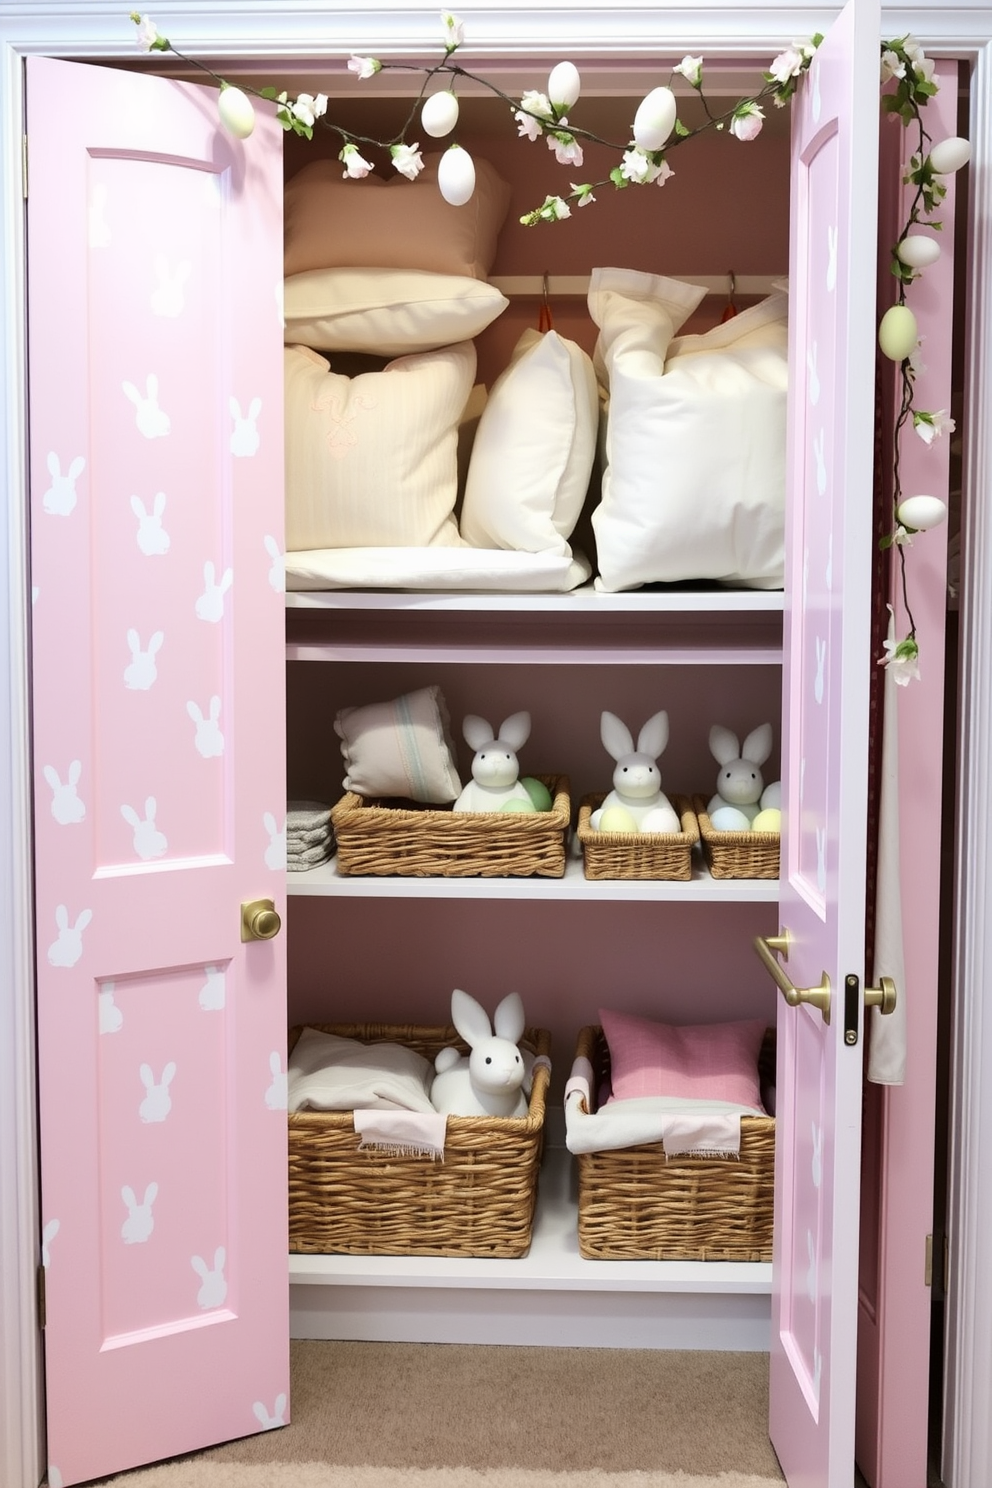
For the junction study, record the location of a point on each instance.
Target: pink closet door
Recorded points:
(156, 474)
(825, 729)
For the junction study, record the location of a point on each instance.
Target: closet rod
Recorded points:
(515, 285)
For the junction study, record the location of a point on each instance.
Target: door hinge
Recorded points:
(42, 1310)
(928, 1263)
(24, 166)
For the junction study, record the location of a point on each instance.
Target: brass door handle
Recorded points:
(769, 948)
(259, 920)
(884, 996)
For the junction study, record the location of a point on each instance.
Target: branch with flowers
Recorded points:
(905, 65)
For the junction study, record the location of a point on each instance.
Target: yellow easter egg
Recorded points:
(898, 333)
(237, 114)
(617, 819)
(769, 820)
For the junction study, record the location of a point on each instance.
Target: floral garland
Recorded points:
(657, 130)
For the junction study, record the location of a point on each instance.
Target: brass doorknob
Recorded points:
(883, 996)
(259, 920)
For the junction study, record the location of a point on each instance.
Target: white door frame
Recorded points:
(96, 29)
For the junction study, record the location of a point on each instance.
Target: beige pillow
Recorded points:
(372, 461)
(391, 223)
(401, 748)
(389, 311)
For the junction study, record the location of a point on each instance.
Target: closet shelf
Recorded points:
(577, 285)
(325, 881)
(674, 599)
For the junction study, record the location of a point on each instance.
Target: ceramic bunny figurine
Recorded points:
(637, 779)
(740, 782)
(494, 1079)
(495, 770)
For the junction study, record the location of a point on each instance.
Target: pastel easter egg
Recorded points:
(237, 113)
(767, 821)
(564, 85)
(898, 333)
(517, 805)
(616, 819)
(729, 819)
(655, 119)
(917, 251)
(439, 114)
(456, 176)
(921, 512)
(771, 796)
(659, 820)
(538, 792)
(949, 155)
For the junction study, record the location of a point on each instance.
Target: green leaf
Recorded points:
(681, 130)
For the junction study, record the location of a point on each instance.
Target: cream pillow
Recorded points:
(400, 748)
(534, 449)
(390, 222)
(372, 460)
(694, 478)
(388, 311)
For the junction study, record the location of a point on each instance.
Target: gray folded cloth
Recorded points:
(306, 816)
(308, 856)
(309, 839)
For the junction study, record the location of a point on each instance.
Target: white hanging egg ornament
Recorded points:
(950, 155)
(921, 512)
(456, 176)
(439, 114)
(564, 85)
(236, 112)
(898, 333)
(918, 251)
(655, 119)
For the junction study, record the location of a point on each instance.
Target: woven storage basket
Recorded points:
(478, 1201)
(737, 854)
(638, 1204)
(638, 854)
(376, 837)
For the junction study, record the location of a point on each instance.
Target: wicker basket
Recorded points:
(478, 1202)
(638, 1204)
(638, 854)
(737, 854)
(381, 837)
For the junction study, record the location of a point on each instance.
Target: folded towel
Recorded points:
(307, 857)
(298, 865)
(698, 1128)
(304, 815)
(402, 1133)
(328, 1072)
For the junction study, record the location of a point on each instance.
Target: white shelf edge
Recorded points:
(553, 1262)
(702, 655)
(583, 600)
(326, 882)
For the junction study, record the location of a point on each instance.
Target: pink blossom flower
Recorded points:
(354, 166)
(567, 149)
(787, 64)
(147, 36)
(364, 67)
(663, 173)
(691, 69)
(747, 121)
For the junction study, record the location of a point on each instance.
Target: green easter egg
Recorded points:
(524, 806)
(538, 792)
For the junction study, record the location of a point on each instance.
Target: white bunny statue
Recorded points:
(740, 782)
(495, 769)
(637, 779)
(494, 1079)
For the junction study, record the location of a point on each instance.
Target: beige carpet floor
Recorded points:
(368, 1415)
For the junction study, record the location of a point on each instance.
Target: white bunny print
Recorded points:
(48, 1234)
(55, 1478)
(141, 671)
(67, 808)
(67, 950)
(817, 1159)
(60, 498)
(213, 1286)
(275, 853)
(153, 540)
(831, 258)
(210, 604)
(813, 385)
(110, 1015)
(245, 438)
(168, 297)
(821, 463)
(821, 661)
(140, 1221)
(277, 568)
(821, 859)
(209, 739)
(277, 1094)
(277, 1417)
(152, 422)
(811, 1281)
(157, 1102)
(213, 993)
(149, 842)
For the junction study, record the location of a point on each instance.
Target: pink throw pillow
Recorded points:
(716, 1061)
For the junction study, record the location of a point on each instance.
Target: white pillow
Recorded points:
(389, 311)
(372, 461)
(534, 449)
(329, 1073)
(694, 478)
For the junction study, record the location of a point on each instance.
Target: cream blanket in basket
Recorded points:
(695, 1128)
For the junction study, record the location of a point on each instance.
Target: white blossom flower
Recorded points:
(902, 659)
(364, 67)
(787, 64)
(454, 30)
(638, 167)
(307, 108)
(583, 194)
(354, 166)
(567, 149)
(663, 173)
(930, 425)
(892, 67)
(553, 209)
(916, 366)
(902, 537)
(407, 160)
(527, 126)
(538, 104)
(747, 121)
(147, 31)
(691, 69)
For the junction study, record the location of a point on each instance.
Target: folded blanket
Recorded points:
(402, 1133)
(697, 1128)
(330, 1073)
(308, 857)
(305, 815)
